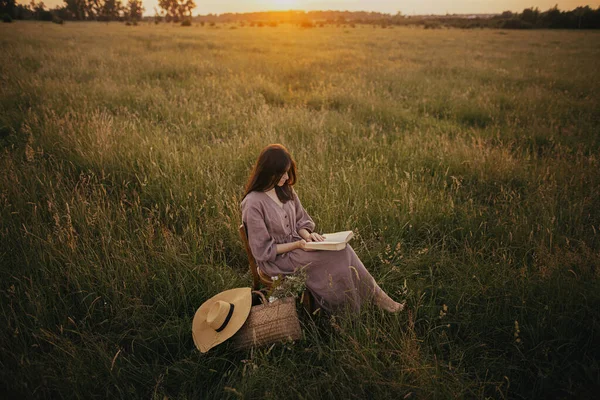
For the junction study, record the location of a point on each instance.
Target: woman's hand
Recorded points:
(302, 245)
(315, 237)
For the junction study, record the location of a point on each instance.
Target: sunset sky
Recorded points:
(407, 7)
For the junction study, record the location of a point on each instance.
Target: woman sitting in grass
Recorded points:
(278, 229)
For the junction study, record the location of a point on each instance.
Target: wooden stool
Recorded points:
(260, 278)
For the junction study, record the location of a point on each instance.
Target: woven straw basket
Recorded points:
(269, 323)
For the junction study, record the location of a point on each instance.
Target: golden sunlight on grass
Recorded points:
(466, 162)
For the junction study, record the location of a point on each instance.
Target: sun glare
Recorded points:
(284, 4)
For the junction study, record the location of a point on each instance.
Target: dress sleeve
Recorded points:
(303, 220)
(261, 243)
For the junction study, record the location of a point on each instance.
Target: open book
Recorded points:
(333, 241)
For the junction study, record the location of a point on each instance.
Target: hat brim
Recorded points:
(205, 337)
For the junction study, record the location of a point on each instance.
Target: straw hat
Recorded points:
(220, 317)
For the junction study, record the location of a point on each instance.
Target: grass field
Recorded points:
(467, 162)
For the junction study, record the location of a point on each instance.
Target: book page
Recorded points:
(338, 237)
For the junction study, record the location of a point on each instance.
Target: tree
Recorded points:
(110, 10)
(39, 11)
(22, 11)
(78, 9)
(134, 10)
(158, 16)
(530, 15)
(101, 10)
(177, 9)
(8, 7)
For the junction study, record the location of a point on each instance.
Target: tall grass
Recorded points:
(466, 162)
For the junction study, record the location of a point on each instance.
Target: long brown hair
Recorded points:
(274, 161)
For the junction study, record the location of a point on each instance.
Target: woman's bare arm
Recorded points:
(304, 234)
(285, 247)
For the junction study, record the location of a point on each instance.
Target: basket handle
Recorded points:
(262, 296)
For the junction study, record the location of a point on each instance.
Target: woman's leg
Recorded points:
(339, 279)
(380, 298)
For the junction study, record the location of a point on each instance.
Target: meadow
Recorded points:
(466, 162)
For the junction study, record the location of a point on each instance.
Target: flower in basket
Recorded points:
(292, 286)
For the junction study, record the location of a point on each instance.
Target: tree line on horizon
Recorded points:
(530, 18)
(94, 10)
(181, 11)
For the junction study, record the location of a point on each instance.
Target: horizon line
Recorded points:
(381, 12)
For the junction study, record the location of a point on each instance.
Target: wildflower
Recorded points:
(289, 285)
(443, 311)
(29, 153)
(517, 332)
(335, 325)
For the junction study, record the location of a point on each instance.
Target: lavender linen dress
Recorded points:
(335, 278)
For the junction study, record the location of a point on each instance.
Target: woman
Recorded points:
(279, 227)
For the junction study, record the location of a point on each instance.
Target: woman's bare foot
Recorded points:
(393, 307)
(386, 303)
